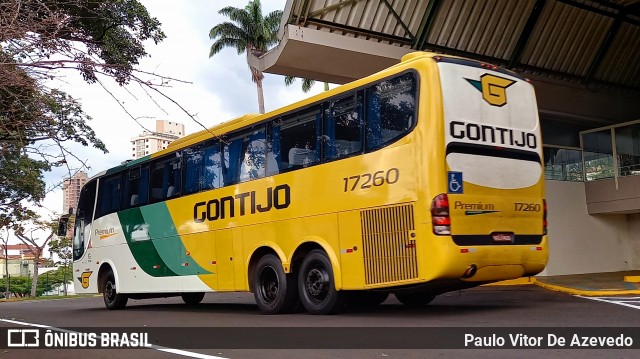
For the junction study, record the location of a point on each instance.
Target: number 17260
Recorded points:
(368, 180)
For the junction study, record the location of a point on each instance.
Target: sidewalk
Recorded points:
(590, 284)
(594, 284)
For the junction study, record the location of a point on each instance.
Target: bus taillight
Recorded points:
(440, 215)
(544, 216)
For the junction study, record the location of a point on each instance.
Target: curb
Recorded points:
(570, 290)
(585, 293)
(632, 278)
(517, 281)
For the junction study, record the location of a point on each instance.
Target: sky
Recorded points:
(220, 87)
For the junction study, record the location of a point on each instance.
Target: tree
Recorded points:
(307, 84)
(248, 32)
(36, 249)
(5, 250)
(49, 280)
(62, 248)
(20, 286)
(41, 40)
(93, 36)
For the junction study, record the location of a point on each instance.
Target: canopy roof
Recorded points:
(591, 42)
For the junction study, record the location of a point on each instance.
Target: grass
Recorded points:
(46, 297)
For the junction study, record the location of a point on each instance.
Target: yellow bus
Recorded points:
(421, 179)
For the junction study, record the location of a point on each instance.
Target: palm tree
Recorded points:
(307, 84)
(248, 32)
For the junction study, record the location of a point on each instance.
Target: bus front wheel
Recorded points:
(274, 290)
(316, 284)
(112, 299)
(192, 298)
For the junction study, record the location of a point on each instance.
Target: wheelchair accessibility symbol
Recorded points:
(455, 182)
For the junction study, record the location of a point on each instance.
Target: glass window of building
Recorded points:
(628, 149)
(598, 155)
(562, 164)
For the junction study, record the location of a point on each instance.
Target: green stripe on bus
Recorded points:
(140, 245)
(167, 241)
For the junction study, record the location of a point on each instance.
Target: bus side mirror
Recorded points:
(63, 224)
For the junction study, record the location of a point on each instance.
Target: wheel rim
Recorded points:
(110, 291)
(269, 285)
(317, 283)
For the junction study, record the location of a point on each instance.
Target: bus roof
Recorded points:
(239, 122)
(212, 131)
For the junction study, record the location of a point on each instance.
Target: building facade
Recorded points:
(71, 190)
(150, 142)
(20, 260)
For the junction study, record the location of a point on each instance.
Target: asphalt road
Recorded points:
(513, 309)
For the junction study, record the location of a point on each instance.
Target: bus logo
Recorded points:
(84, 279)
(105, 233)
(493, 88)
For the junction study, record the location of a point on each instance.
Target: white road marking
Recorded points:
(156, 347)
(625, 301)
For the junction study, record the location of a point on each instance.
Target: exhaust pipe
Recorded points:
(470, 272)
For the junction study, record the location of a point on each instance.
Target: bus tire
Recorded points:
(112, 299)
(192, 298)
(414, 300)
(316, 284)
(274, 290)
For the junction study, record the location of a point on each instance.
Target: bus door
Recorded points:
(82, 262)
(225, 260)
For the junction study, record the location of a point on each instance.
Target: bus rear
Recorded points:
(493, 208)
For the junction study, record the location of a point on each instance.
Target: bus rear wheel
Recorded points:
(192, 298)
(112, 299)
(274, 290)
(316, 284)
(419, 299)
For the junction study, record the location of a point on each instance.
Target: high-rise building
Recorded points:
(71, 190)
(150, 142)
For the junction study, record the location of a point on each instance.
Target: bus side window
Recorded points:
(390, 110)
(136, 187)
(254, 156)
(193, 169)
(300, 139)
(230, 166)
(166, 178)
(274, 158)
(343, 121)
(212, 167)
(109, 195)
